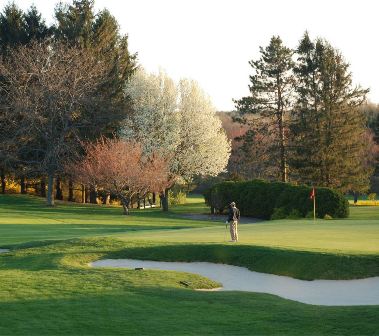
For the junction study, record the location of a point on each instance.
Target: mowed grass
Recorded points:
(27, 218)
(358, 234)
(47, 287)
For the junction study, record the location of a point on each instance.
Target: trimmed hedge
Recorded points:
(261, 199)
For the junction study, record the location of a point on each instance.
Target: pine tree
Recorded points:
(18, 28)
(12, 27)
(78, 24)
(327, 127)
(269, 102)
(35, 26)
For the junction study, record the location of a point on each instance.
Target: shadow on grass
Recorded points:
(297, 264)
(159, 311)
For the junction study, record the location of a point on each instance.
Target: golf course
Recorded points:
(48, 288)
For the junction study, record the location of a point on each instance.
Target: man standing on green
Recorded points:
(233, 218)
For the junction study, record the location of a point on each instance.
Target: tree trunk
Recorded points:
(43, 187)
(106, 199)
(87, 195)
(93, 195)
(50, 191)
(58, 189)
(283, 161)
(164, 198)
(83, 193)
(154, 198)
(3, 182)
(138, 202)
(125, 203)
(70, 191)
(23, 184)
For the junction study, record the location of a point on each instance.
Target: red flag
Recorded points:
(313, 194)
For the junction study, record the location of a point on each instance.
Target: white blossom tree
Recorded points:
(179, 122)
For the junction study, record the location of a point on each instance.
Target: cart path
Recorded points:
(234, 278)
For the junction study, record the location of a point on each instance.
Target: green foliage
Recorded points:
(295, 214)
(270, 90)
(327, 217)
(177, 197)
(279, 213)
(18, 27)
(330, 146)
(260, 199)
(309, 214)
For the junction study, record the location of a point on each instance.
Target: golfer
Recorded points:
(233, 218)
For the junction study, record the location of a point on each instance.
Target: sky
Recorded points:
(212, 41)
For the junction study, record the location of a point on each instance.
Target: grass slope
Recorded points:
(49, 290)
(27, 218)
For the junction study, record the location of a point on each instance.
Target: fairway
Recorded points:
(47, 274)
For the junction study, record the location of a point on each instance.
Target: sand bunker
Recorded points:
(234, 278)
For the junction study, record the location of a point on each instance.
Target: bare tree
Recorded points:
(48, 90)
(128, 172)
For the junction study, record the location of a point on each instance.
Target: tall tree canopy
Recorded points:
(50, 88)
(330, 146)
(17, 27)
(271, 86)
(179, 122)
(78, 24)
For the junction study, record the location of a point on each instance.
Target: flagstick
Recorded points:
(314, 207)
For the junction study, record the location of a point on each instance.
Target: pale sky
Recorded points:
(212, 41)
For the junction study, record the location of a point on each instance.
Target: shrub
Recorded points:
(260, 199)
(309, 214)
(328, 216)
(371, 196)
(176, 197)
(294, 214)
(279, 213)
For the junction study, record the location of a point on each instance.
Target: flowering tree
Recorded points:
(178, 121)
(121, 168)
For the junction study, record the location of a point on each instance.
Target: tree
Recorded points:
(270, 102)
(16, 28)
(49, 91)
(179, 122)
(329, 133)
(129, 171)
(79, 25)
(19, 28)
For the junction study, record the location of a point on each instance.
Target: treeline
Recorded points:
(305, 120)
(77, 110)
(60, 85)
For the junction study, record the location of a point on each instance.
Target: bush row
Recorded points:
(263, 199)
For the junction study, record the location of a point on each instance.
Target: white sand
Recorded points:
(4, 250)
(233, 278)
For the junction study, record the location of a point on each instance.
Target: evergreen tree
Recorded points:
(12, 27)
(78, 24)
(269, 102)
(328, 129)
(35, 26)
(18, 28)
